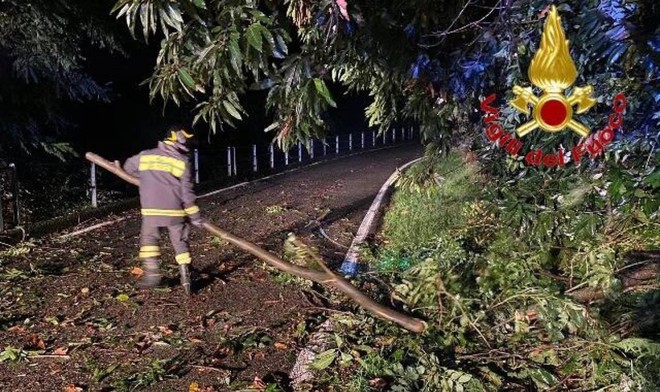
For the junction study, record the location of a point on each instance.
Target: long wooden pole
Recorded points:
(325, 277)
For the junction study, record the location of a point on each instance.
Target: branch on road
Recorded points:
(326, 277)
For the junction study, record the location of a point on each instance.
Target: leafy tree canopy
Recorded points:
(424, 61)
(42, 67)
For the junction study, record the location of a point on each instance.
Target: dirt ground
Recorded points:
(72, 309)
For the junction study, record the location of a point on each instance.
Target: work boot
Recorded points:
(185, 277)
(151, 277)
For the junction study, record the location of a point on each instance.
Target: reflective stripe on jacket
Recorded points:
(166, 188)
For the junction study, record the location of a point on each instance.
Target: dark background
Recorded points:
(130, 123)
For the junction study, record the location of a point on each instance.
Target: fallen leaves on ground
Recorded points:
(61, 351)
(36, 342)
(166, 330)
(258, 384)
(16, 329)
(72, 388)
(137, 272)
(194, 387)
(123, 297)
(378, 383)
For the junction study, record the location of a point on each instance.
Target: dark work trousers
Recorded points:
(150, 236)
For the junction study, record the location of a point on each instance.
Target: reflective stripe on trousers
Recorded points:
(150, 237)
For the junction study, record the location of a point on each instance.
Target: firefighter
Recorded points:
(167, 200)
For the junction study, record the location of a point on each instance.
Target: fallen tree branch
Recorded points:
(638, 276)
(47, 356)
(326, 277)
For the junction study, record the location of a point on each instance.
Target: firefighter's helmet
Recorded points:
(178, 138)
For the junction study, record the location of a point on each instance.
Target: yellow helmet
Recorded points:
(178, 138)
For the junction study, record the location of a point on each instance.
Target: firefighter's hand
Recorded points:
(197, 222)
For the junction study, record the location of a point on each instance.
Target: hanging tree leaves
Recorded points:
(42, 67)
(425, 61)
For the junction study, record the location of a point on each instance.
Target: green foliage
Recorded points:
(41, 47)
(16, 251)
(213, 51)
(426, 62)
(439, 188)
(324, 359)
(156, 371)
(12, 354)
(275, 209)
(499, 299)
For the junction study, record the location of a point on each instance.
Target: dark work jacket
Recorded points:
(166, 188)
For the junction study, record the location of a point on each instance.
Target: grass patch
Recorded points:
(416, 219)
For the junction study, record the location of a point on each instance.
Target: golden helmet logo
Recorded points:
(553, 71)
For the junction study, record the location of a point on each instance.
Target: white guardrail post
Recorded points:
(234, 159)
(196, 164)
(232, 162)
(92, 183)
(255, 166)
(229, 165)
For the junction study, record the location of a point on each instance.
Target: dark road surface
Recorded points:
(77, 296)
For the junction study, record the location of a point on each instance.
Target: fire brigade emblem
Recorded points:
(552, 70)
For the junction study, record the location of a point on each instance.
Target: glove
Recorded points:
(197, 222)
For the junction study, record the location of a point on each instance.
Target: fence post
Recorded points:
(311, 149)
(373, 138)
(299, 152)
(255, 166)
(229, 164)
(362, 139)
(92, 182)
(393, 135)
(325, 146)
(196, 162)
(286, 158)
(234, 159)
(17, 213)
(271, 150)
(337, 144)
(384, 138)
